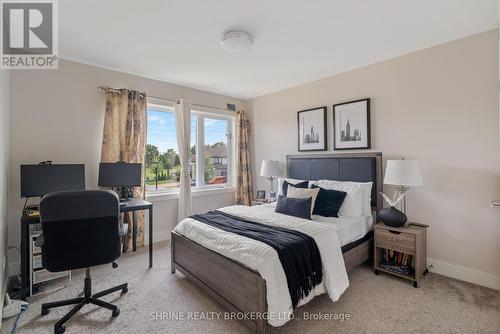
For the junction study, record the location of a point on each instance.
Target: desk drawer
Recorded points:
(402, 242)
(44, 275)
(37, 261)
(36, 249)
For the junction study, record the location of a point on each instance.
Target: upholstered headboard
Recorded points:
(357, 167)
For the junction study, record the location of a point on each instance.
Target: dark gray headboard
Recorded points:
(358, 167)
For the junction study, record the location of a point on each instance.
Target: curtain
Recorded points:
(243, 177)
(183, 129)
(124, 139)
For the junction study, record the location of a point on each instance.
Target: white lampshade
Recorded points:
(403, 173)
(270, 168)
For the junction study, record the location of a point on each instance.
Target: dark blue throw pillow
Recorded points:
(328, 202)
(284, 186)
(296, 207)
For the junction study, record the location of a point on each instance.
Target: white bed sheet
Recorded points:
(349, 229)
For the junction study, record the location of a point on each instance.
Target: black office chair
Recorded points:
(80, 230)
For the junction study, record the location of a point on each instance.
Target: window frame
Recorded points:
(201, 113)
(200, 142)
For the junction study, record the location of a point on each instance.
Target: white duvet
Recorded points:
(264, 259)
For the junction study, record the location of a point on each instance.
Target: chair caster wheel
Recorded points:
(375, 272)
(116, 312)
(45, 311)
(415, 284)
(59, 330)
(124, 290)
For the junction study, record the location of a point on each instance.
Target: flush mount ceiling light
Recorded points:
(237, 41)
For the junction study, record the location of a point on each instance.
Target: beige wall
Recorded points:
(438, 105)
(4, 139)
(58, 115)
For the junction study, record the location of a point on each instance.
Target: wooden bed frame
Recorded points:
(240, 289)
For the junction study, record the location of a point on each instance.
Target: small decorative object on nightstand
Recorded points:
(401, 251)
(261, 195)
(270, 169)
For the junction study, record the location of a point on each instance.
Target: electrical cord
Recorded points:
(14, 326)
(25, 203)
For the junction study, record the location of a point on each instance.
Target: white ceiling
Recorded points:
(178, 41)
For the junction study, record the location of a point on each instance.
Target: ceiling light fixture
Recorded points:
(237, 41)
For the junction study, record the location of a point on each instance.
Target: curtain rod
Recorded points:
(118, 91)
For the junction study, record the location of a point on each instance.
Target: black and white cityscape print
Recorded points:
(350, 134)
(312, 129)
(310, 136)
(352, 125)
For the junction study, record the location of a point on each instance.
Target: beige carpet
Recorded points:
(375, 304)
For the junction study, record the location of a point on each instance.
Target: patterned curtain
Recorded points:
(243, 176)
(124, 139)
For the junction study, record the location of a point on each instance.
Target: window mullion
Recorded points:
(200, 149)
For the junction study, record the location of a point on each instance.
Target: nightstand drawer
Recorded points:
(403, 242)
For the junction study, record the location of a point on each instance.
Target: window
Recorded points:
(210, 167)
(216, 155)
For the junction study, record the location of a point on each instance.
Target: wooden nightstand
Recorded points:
(411, 240)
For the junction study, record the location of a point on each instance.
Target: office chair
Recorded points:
(80, 229)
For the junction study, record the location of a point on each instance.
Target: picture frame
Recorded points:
(351, 125)
(312, 130)
(261, 195)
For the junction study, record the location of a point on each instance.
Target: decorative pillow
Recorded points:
(285, 184)
(353, 202)
(294, 192)
(296, 207)
(281, 180)
(348, 186)
(328, 202)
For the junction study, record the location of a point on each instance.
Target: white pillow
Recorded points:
(365, 186)
(353, 202)
(291, 181)
(303, 193)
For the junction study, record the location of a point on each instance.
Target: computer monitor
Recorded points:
(38, 180)
(120, 174)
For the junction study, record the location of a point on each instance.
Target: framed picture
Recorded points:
(351, 124)
(261, 195)
(312, 129)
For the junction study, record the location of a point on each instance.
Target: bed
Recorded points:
(236, 283)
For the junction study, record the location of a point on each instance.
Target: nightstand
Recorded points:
(399, 248)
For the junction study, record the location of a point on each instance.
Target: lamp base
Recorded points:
(392, 217)
(271, 181)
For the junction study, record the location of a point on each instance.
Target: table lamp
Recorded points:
(270, 169)
(403, 174)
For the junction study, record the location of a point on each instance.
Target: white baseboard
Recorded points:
(464, 274)
(157, 237)
(13, 268)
